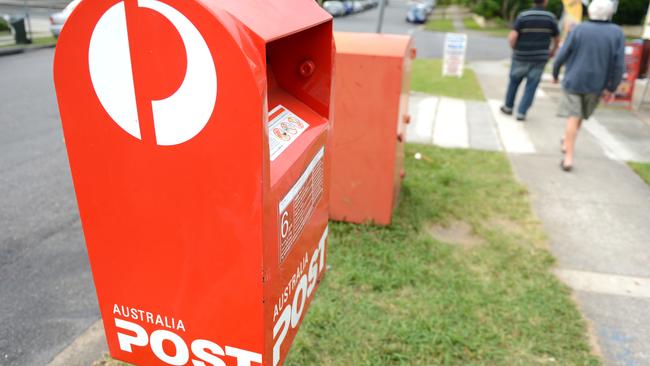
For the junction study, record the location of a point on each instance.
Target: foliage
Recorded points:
(555, 7)
(3, 25)
(631, 12)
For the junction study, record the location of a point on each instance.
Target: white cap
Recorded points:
(601, 10)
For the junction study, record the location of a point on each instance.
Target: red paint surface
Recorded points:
(373, 74)
(625, 91)
(191, 231)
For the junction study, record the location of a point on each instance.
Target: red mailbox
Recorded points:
(373, 80)
(196, 134)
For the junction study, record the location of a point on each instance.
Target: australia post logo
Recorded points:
(177, 118)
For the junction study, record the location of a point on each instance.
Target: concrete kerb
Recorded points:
(89, 347)
(7, 51)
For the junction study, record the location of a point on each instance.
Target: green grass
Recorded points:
(4, 27)
(44, 41)
(440, 25)
(494, 27)
(41, 41)
(643, 170)
(396, 296)
(427, 78)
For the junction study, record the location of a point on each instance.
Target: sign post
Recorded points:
(382, 9)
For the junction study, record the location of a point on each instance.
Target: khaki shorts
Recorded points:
(578, 105)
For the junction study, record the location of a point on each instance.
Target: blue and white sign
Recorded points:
(454, 54)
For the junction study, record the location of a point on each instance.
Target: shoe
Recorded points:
(506, 110)
(566, 168)
(521, 117)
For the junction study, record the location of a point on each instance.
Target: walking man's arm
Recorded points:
(563, 55)
(556, 45)
(513, 36)
(619, 66)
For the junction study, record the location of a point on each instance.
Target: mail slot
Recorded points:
(373, 78)
(196, 132)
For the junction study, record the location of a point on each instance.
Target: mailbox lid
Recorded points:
(273, 19)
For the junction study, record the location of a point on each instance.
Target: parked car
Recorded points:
(357, 7)
(417, 14)
(57, 20)
(349, 7)
(335, 8)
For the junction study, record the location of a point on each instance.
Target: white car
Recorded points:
(357, 7)
(57, 20)
(335, 8)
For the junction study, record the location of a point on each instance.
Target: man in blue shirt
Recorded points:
(594, 55)
(530, 38)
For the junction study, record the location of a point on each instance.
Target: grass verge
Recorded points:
(643, 170)
(41, 41)
(398, 295)
(440, 25)
(427, 78)
(4, 27)
(44, 41)
(494, 27)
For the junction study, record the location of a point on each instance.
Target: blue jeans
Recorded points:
(532, 72)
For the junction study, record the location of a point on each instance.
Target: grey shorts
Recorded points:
(578, 105)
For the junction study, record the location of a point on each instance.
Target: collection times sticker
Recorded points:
(284, 129)
(296, 208)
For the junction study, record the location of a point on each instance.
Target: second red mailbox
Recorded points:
(373, 80)
(196, 134)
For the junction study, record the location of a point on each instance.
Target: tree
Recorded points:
(631, 12)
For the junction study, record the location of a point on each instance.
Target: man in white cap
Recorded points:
(594, 55)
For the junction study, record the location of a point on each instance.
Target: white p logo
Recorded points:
(178, 118)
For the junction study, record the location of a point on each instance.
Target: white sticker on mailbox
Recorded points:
(299, 203)
(284, 129)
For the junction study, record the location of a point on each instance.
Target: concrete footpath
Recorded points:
(597, 217)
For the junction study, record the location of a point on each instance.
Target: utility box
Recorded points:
(196, 132)
(373, 80)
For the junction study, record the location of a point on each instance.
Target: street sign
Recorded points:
(454, 54)
(196, 132)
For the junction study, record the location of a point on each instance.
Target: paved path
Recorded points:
(597, 217)
(449, 122)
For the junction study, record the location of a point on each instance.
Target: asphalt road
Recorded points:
(429, 44)
(47, 297)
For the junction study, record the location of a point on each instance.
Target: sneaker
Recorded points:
(521, 117)
(506, 110)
